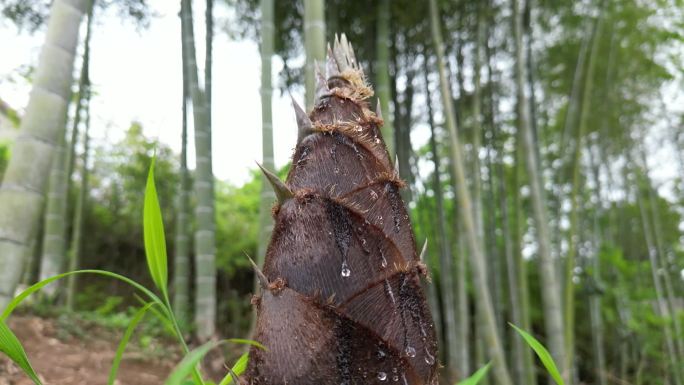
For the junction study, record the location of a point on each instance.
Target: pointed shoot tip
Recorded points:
(282, 192)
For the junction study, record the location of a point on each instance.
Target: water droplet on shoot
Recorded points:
(346, 272)
(410, 351)
(381, 354)
(395, 378)
(382, 376)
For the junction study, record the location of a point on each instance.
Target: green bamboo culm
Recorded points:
(25, 179)
(551, 295)
(314, 44)
(382, 81)
(585, 106)
(205, 232)
(477, 260)
(267, 194)
(181, 259)
(76, 236)
(52, 261)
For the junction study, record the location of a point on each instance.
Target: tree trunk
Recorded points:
(382, 77)
(267, 194)
(574, 206)
(662, 257)
(596, 321)
(551, 296)
(314, 43)
(493, 340)
(447, 284)
(182, 271)
(22, 192)
(512, 265)
(52, 261)
(462, 303)
(205, 243)
(81, 202)
(662, 305)
(529, 376)
(208, 56)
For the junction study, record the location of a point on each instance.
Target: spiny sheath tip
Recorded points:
(282, 192)
(378, 109)
(263, 281)
(423, 252)
(304, 124)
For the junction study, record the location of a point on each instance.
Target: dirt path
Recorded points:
(78, 361)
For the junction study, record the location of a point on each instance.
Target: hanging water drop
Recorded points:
(410, 351)
(382, 376)
(395, 378)
(381, 354)
(346, 272)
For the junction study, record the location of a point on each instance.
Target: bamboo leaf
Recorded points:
(137, 317)
(247, 342)
(10, 345)
(188, 364)
(153, 233)
(238, 368)
(542, 353)
(477, 376)
(37, 286)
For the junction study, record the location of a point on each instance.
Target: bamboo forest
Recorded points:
(312, 192)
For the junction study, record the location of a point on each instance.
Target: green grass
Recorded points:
(187, 371)
(539, 350)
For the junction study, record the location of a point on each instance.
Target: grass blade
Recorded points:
(10, 345)
(137, 317)
(477, 376)
(542, 353)
(238, 368)
(35, 287)
(188, 364)
(247, 342)
(153, 234)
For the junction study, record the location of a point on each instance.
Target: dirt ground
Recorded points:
(68, 360)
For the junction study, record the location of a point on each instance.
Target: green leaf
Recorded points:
(238, 368)
(247, 342)
(477, 376)
(163, 317)
(542, 353)
(10, 345)
(188, 364)
(137, 317)
(153, 233)
(35, 287)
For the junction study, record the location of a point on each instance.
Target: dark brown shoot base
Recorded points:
(343, 302)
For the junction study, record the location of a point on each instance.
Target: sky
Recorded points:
(136, 75)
